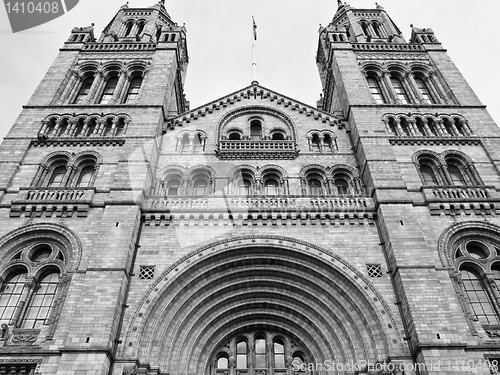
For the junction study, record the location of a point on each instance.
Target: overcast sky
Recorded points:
(219, 44)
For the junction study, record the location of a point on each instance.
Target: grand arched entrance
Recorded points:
(254, 305)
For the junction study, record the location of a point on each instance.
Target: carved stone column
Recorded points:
(414, 88)
(93, 89)
(21, 305)
(116, 98)
(392, 92)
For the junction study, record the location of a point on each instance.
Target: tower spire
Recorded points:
(255, 78)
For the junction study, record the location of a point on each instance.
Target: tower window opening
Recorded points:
(241, 355)
(256, 130)
(315, 142)
(128, 28)
(375, 90)
(140, 28)
(376, 28)
(399, 89)
(109, 90)
(420, 126)
(479, 299)
(448, 127)
(456, 175)
(404, 126)
(173, 187)
(185, 143)
(392, 126)
(424, 90)
(84, 89)
(364, 27)
(432, 126)
(133, 90)
(428, 175)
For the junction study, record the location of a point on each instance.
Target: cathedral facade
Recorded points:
(254, 235)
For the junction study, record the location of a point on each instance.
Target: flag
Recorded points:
(254, 29)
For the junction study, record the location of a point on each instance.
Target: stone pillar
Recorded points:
(21, 305)
(412, 90)
(413, 85)
(392, 92)
(93, 89)
(116, 98)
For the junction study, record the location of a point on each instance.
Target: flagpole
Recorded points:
(255, 77)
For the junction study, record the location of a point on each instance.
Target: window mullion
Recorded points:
(22, 306)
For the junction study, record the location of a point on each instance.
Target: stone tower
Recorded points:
(253, 235)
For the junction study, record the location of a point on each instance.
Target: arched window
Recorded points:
(432, 126)
(420, 126)
(364, 27)
(342, 185)
(278, 135)
(120, 128)
(108, 127)
(41, 302)
(457, 178)
(140, 27)
(109, 90)
(222, 363)
(428, 175)
(57, 176)
(298, 363)
(260, 353)
(424, 90)
(315, 142)
(185, 143)
(133, 89)
(377, 29)
(328, 143)
(460, 126)
(91, 127)
(479, 300)
(200, 187)
(271, 186)
(399, 89)
(84, 89)
(128, 28)
(173, 187)
(404, 126)
(448, 128)
(10, 296)
(279, 354)
(391, 122)
(256, 130)
(241, 355)
(376, 90)
(85, 177)
(234, 136)
(315, 186)
(198, 143)
(244, 186)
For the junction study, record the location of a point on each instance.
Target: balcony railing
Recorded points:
(54, 195)
(257, 149)
(46, 201)
(460, 193)
(218, 203)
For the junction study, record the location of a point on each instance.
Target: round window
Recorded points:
(477, 250)
(40, 253)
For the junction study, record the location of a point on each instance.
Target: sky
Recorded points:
(220, 44)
